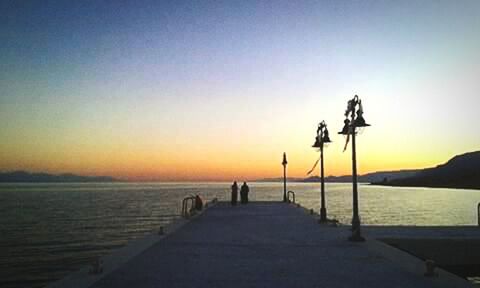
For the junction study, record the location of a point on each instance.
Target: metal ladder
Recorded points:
(293, 196)
(185, 211)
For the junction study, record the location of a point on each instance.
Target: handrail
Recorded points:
(478, 213)
(185, 211)
(293, 196)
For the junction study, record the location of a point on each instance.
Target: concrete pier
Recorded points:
(264, 244)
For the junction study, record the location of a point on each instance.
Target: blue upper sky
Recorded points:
(210, 70)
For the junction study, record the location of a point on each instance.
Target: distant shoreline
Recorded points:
(460, 172)
(425, 186)
(228, 183)
(27, 177)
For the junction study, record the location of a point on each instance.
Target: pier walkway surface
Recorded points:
(269, 244)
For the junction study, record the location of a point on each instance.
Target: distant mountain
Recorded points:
(462, 171)
(367, 178)
(388, 175)
(23, 176)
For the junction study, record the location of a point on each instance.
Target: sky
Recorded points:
(218, 90)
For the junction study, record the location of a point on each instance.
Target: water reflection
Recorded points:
(49, 230)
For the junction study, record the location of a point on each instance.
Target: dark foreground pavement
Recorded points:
(269, 245)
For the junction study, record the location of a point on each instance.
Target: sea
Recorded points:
(49, 230)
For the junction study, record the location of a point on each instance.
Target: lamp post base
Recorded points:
(356, 237)
(323, 215)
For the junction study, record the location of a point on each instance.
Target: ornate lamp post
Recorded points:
(322, 138)
(284, 163)
(349, 129)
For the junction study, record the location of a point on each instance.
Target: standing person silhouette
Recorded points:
(234, 193)
(244, 193)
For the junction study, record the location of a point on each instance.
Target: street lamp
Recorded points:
(322, 138)
(349, 128)
(284, 163)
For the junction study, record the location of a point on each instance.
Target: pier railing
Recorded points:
(291, 193)
(186, 211)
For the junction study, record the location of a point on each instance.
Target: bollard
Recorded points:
(430, 268)
(311, 211)
(160, 231)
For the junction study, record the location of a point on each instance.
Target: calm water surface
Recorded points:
(49, 230)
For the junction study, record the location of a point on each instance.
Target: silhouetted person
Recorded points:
(244, 193)
(234, 193)
(198, 203)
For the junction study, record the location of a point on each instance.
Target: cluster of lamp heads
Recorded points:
(354, 111)
(322, 135)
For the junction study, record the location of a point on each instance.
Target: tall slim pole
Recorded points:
(323, 210)
(284, 183)
(356, 236)
(284, 163)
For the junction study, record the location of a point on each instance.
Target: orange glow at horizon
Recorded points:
(167, 92)
(220, 164)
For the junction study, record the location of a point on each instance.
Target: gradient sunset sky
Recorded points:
(218, 90)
